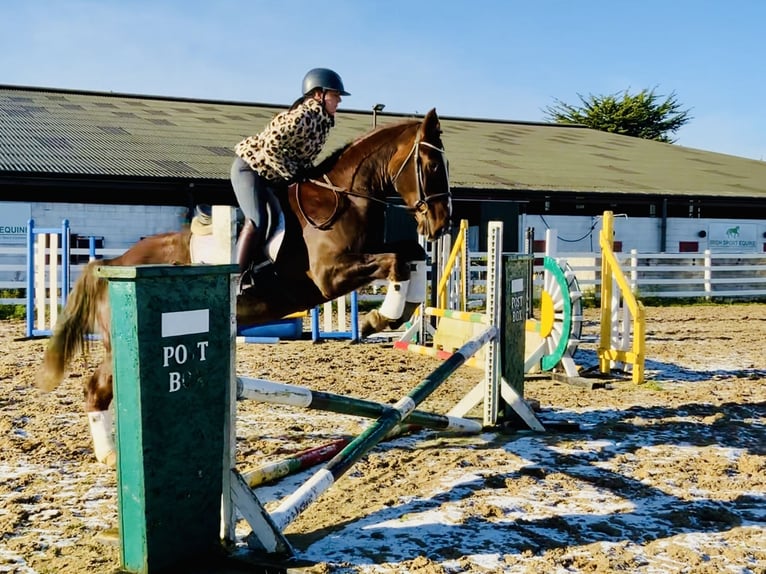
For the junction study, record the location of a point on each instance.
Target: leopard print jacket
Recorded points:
(289, 143)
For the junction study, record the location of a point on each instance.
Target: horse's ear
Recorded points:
(430, 129)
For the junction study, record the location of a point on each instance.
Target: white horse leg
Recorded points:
(418, 279)
(101, 429)
(402, 297)
(396, 296)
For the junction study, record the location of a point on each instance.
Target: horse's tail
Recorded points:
(77, 321)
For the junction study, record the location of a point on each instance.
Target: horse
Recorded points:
(332, 244)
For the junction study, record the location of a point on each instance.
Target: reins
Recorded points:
(327, 184)
(420, 205)
(337, 192)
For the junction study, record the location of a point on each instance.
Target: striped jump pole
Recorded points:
(318, 483)
(309, 457)
(428, 351)
(443, 345)
(292, 464)
(281, 393)
(466, 316)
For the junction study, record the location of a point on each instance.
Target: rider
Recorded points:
(268, 161)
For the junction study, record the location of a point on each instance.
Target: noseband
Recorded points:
(423, 200)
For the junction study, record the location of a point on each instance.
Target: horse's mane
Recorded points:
(329, 162)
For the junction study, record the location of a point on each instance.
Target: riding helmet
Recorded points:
(323, 78)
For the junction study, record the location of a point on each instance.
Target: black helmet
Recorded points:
(323, 78)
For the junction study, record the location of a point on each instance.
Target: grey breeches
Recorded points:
(253, 193)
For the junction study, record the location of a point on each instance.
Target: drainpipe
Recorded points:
(664, 225)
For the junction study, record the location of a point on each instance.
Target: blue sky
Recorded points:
(500, 59)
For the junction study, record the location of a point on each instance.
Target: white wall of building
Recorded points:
(123, 225)
(120, 225)
(579, 234)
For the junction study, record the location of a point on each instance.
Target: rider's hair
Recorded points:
(300, 100)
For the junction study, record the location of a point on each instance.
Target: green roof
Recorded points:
(81, 134)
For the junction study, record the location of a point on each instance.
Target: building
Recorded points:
(122, 166)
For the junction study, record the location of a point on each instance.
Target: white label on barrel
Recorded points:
(517, 285)
(185, 322)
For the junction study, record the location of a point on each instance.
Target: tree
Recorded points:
(642, 115)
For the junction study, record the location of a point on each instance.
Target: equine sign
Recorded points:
(732, 237)
(13, 222)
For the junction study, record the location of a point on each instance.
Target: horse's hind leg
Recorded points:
(98, 397)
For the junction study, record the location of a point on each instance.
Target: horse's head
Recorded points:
(422, 178)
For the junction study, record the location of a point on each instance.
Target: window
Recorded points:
(688, 246)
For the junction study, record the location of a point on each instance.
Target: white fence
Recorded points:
(682, 275)
(664, 275)
(705, 275)
(13, 270)
(652, 275)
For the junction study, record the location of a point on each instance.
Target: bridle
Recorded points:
(420, 206)
(423, 200)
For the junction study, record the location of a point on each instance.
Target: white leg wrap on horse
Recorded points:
(101, 423)
(393, 304)
(418, 278)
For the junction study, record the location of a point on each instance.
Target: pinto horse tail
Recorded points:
(77, 321)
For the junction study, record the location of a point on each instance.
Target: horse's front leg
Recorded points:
(401, 301)
(403, 297)
(405, 269)
(344, 272)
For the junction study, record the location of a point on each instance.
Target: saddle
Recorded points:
(317, 209)
(203, 249)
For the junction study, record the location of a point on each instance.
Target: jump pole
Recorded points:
(437, 351)
(295, 463)
(281, 393)
(307, 458)
(296, 503)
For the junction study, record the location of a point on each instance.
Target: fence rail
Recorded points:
(703, 275)
(13, 270)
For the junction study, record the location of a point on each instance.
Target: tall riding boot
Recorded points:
(248, 246)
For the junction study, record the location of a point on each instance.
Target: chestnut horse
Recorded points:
(332, 245)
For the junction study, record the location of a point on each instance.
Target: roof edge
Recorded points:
(136, 96)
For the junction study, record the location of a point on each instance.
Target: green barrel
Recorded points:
(172, 338)
(516, 288)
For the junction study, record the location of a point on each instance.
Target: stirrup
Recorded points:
(247, 277)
